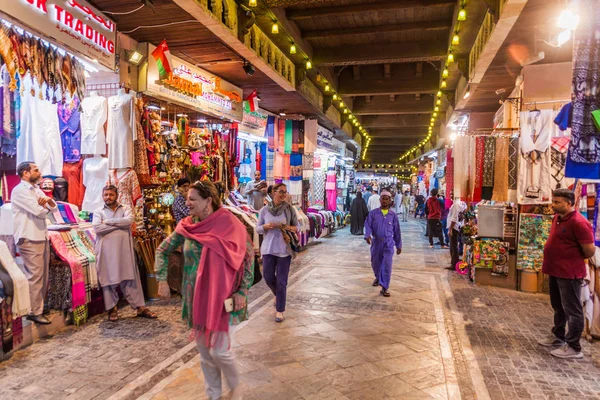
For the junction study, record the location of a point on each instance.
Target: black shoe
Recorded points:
(384, 292)
(39, 319)
(376, 282)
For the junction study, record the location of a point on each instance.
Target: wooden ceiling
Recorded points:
(384, 57)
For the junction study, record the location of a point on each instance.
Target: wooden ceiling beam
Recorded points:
(381, 54)
(368, 30)
(374, 87)
(392, 105)
(395, 121)
(363, 8)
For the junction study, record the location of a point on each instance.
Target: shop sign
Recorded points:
(195, 88)
(254, 122)
(75, 24)
(325, 140)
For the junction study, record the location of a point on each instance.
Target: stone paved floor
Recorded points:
(437, 337)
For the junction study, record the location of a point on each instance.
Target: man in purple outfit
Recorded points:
(382, 232)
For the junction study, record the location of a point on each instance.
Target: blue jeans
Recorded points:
(420, 211)
(276, 271)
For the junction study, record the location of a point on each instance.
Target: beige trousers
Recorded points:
(36, 258)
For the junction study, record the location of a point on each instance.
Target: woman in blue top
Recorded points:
(275, 218)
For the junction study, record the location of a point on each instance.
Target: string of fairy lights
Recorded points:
(461, 17)
(325, 87)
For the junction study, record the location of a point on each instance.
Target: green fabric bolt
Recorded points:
(288, 136)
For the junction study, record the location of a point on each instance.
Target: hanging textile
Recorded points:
(310, 135)
(558, 161)
(296, 167)
(73, 173)
(449, 178)
(288, 138)
(21, 301)
(263, 160)
(585, 138)
(460, 155)
(488, 167)
(287, 169)
(331, 190)
(271, 133)
(534, 187)
(296, 136)
(70, 130)
(59, 285)
(319, 188)
(479, 159)
(270, 165)
(500, 192)
(513, 157)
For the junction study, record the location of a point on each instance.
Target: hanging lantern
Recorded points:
(439, 94)
(445, 73)
(444, 84)
(275, 28)
(327, 88)
(293, 49)
(455, 40)
(438, 102)
(450, 58)
(253, 3)
(308, 64)
(335, 97)
(462, 15)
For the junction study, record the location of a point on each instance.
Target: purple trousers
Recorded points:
(276, 271)
(381, 261)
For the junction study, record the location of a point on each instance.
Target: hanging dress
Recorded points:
(121, 130)
(95, 176)
(93, 117)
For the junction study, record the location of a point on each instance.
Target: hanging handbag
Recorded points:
(257, 274)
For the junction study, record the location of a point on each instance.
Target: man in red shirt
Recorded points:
(570, 243)
(434, 215)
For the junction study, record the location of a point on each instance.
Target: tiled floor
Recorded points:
(341, 339)
(437, 337)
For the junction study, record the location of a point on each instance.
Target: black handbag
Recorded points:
(257, 274)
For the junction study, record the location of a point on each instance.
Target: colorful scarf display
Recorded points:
(501, 167)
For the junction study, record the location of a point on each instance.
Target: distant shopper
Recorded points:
(374, 202)
(405, 206)
(180, 210)
(454, 224)
(273, 220)
(256, 191)
(420, 210)
(444, 218)
(30, 207)
(570, 243)
(434, 216)
(367, 195)
(115, 256)
(358, 215)
(382, 232)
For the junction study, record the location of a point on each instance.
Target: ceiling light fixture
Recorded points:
(455, 40)
(462, 14)
(308, 64)
(275, 28)
(293, 49)
(134, 57)
(445, 73)
(253, 3)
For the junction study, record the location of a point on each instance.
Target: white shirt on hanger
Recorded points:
(93, 117)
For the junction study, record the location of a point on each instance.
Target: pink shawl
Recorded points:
(223, 238)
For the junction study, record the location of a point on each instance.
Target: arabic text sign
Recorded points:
(74, 24)
(325, 140)
(195, 88)
(255, 122)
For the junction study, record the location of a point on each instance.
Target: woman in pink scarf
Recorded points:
(217, 242)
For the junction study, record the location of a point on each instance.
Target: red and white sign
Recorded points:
(74, 24)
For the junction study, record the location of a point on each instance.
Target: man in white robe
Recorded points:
(115, 256)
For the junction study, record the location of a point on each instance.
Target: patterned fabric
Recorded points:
(270, 166)
(449, 178)
(192, 251)
(59, 285)
(488, 161)
(558, 160)
(479, 159)
(501, 166)
(75, 263)
(319, 188)
(308, 166)
(80, 315)
(585, 138)
(513, 154)
(74, 249)
(73, 173)
(296, 167)
(180, 210)
(140, 164)
(6, 325)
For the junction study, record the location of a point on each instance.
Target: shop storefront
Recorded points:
(50, 116)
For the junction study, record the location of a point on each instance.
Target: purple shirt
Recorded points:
(384, 230)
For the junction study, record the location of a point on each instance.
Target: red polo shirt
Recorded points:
(434, 207)
(563, 256)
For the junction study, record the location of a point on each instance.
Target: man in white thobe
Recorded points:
(115, 256)
(374, 202)
(30, 206)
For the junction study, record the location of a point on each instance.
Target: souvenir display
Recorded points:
(533, 233)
